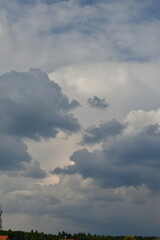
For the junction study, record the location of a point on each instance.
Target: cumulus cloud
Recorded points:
(125, 160)
(105, 130)
(32, 107)
(97, 102)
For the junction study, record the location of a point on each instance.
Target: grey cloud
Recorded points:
(79, 204)
(97, 134)
(32, 106)
(32, 202)
(79, 26)
(14, 158)
(141, 149)
(89, 164)
(66, 105)
(124, 161)
(98, 102)
(37, 1)
(81, 2)
(13, 153)
(33, 170)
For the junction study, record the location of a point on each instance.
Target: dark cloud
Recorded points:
(65, 105)
(33, 170)
(14, 158)
(97, 134)
(141, 149)
(98, 102)
(131, 160)
(32, 106)
(13, 153)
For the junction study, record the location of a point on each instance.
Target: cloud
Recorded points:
(125, 160)
(15, 159)
(32, 106)
(13, 153)
(36, 1)
(126, 173)
(105, 130)
(33, 170)
(96, 48)
(97, 102)
(98, 31)
(76, 204)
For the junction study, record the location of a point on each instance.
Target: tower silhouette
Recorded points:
(0, 217)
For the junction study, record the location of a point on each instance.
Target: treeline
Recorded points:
(35, 235)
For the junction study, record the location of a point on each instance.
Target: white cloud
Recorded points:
(138, 119)
(125, 86)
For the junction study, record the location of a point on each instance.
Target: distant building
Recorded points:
(4, 237)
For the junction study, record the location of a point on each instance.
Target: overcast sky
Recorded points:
(80, 116)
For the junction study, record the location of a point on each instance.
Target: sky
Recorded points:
(80, 116)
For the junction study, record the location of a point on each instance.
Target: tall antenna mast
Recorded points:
(0, 217)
